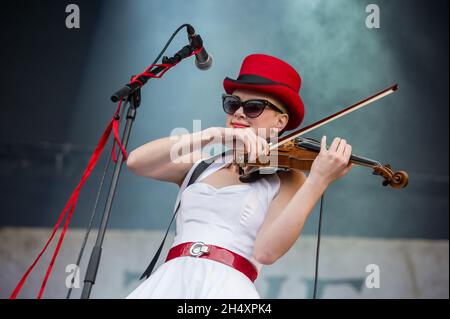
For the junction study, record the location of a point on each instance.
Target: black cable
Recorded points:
(170, 40)
(318, 247)
(86, 236)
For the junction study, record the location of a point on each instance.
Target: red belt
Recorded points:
(222, 255)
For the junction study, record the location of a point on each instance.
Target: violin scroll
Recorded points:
(394, 179)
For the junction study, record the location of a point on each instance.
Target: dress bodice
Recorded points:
(229, 216)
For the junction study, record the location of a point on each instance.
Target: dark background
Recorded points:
(56, 84)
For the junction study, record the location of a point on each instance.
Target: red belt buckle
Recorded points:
(201, 250)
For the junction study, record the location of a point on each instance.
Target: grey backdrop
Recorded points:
(58, 83)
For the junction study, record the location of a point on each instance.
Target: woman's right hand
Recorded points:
(242, 139)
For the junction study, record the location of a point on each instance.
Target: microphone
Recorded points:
(203, 60)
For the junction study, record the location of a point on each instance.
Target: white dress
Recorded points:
(229, 217)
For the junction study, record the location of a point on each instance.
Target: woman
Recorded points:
(226, 230)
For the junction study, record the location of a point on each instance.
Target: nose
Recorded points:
(240, 113)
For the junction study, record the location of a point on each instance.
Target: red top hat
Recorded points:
(273, 76)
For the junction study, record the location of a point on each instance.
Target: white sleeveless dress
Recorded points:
(229, 217)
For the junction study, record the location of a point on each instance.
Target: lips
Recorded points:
(239, 125)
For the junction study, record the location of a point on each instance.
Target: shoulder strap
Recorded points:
(201, 167)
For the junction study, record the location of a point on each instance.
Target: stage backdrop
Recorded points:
(58, 82)
(350, 267)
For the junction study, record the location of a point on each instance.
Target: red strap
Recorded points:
(72, 202)
(148, 73)
(116, 136)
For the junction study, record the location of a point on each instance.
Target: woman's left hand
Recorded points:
(333, 163)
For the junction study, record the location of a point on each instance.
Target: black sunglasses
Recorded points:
(252, 108)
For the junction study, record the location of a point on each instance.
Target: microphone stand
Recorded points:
(132, 92)
(94, 261)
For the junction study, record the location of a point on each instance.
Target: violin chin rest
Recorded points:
(257, 173)
(250, 177)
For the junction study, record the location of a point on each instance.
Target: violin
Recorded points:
(295, 152)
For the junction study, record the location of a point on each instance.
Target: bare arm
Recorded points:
(169, 158)
(286, 216)
(297, 197)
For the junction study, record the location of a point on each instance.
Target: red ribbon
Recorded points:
(72, 202)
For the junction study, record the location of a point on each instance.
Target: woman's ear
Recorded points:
(281, 121)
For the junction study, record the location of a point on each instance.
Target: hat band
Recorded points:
(256, 79)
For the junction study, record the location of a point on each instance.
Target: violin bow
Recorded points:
(315, 125)
(334, 116)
